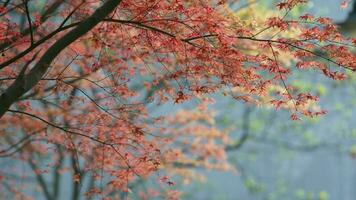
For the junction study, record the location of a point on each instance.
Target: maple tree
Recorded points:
(77, 78)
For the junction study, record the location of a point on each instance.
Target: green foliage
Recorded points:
(253, 186)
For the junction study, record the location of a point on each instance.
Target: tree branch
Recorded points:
(246, 131)
(53, 7)
(18, 88)
(40, 180)
(29, 21)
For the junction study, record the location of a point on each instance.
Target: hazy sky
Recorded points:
(325, 7)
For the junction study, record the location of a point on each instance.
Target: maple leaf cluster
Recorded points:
(92, 99)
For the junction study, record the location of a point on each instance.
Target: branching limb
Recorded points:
(18, 88)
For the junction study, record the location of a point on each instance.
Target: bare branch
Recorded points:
(29, 20)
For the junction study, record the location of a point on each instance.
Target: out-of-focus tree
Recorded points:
(348, 25)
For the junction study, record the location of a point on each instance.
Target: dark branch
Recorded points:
(29, 21)
(18, 88)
